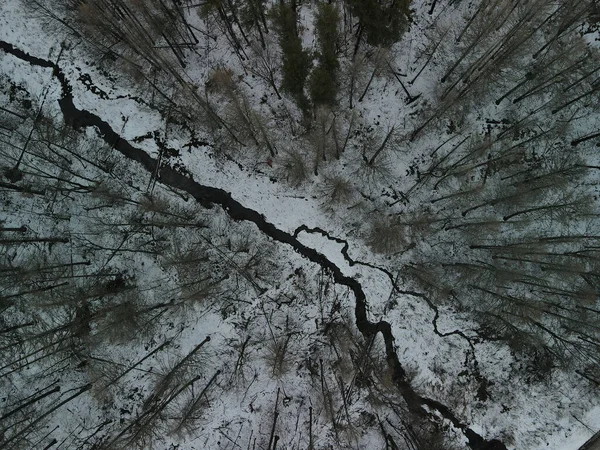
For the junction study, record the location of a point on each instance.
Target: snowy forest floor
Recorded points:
(130, 234)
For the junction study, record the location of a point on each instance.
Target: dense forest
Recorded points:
(294, 224)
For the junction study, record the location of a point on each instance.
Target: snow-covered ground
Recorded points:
(560, 412)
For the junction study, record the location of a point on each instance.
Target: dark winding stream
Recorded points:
(209, 196)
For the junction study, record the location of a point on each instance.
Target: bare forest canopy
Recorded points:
(454, 144)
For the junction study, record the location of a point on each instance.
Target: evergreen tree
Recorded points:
(381, 21)
(296, 60)
(323, 81)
